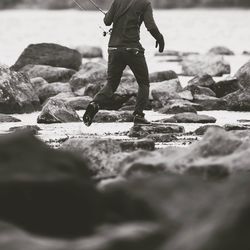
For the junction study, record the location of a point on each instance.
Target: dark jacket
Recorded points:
(127, 17)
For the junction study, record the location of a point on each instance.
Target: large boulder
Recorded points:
(220, 50)
(198, 90)
(210, 102)
(89, 51)
(176, 106)
(243, 75)
(38, 82)
(161, 76)
(57, 111)
(49, 54)
(189, 118)
(141, 131)
(46, 191)
(49, 73)
(238, 101)
(8, 118)
(79, 102)
(17, 94)
(53, 89)
(205, 64)
(202, 80)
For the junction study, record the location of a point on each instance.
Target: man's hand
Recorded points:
(161, 43)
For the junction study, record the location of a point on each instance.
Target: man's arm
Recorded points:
(109, 17)
(152, 27)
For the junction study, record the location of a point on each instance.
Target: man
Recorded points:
(125, 50)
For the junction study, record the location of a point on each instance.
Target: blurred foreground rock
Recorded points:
(8, 118)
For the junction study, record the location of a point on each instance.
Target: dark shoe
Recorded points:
(140, 119)
(90, 113)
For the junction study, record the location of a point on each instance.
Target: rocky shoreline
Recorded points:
(121, 189)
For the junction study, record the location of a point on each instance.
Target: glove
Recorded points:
(161, 44)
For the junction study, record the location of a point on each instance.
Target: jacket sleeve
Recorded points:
(148, 18)
(109, 16)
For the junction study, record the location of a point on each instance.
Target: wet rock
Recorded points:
(17, 94)
(79, 102)
(8, 118)
(113, 116)
(205, 64)
(176, 106)
(197, 90)
(53, 89)
(189, 118)
(225, 87)
(144, 144)
(33, 129)
(141, 131)
(89, 51)
(57, 111)
(233, 127)
(203, 129)
(243, 75)
(49, 54)
(45, 191)
(202, 80)
(238, 101)
(49, 73)
(211, 103)
(220, 50)
(162, 76)
(162, 137)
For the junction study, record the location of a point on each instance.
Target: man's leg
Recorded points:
(138, 65)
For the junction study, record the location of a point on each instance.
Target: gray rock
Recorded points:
(243, 75)
(202, 80)
(247, 53)
(189, 118)
(205, 64)
(233, 127)
(113, 116)
(89, 51)
(203, 129)
(33, 129)
(53, 89)
(38, 82)
(162, 137)
(144, 144)
(141, 131)
(220, 50)
(49, 54)
(186, 95)
(17, 94)
(162, 76)
(8, 118)
(57, 111)
(79, 103)
(198, 90)
(211, 103)
(49, 73)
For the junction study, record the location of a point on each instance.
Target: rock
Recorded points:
(211, 103)
(225, 87)
(175, 53)
(79, 103)
(186, 95)
(162, 76)
(205, 64)
(32, 129)
(189, 118)
(202, 80)
(8, 118)
(238, 101)
(176, 106)
(17, 94)
(197, 90)
(220, 50)
(247, 53)
(162, 137)
(91, 89)
(82, 78)
(97, 65)
(45, 191)
(164, 91)
(64, 96)
(144, 144)
(49, 54)
(128, 86)
(57, 111)
(243, 75)
(49, 73)
(53, 89)
(233, 127)
(89, 51)
(98, 153)
(38, 82)
(113, 116)
(203, 129)
(145, 130)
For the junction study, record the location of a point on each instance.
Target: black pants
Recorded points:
(117, 62)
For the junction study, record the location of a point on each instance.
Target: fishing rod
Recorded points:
(82, 8)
